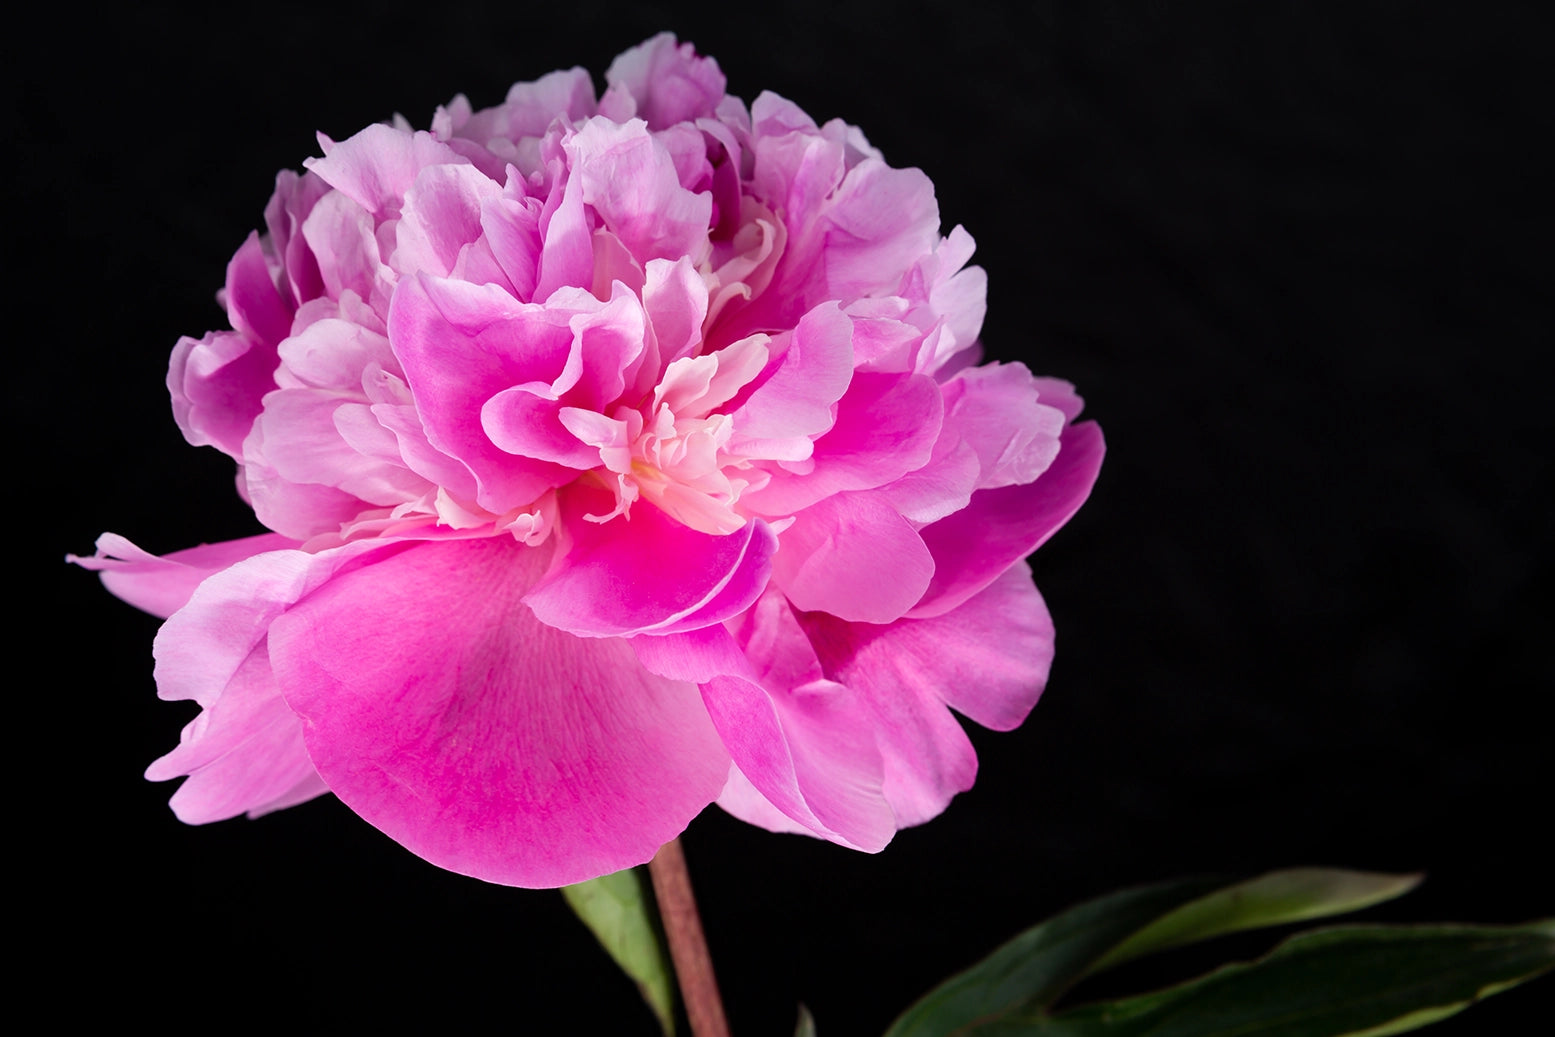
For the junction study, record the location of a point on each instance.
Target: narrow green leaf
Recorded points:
(1353, 981)
(1034, 969)
(617, 911)
(806, 1027)
(1280, 897)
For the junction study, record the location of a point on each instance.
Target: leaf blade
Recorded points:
(1275, 898)
(1344, 981)
(617, 911)
(1035, 967)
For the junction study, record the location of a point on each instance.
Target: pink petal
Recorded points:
(1004, 525)
(647, 572)
(881, 221)
(989, 659)
(810, 751)
(486, 742)
(217, 384)
(253, 303)
(441, 215)
(460, 345)
(630, 180)
(808, 378)
(244, 752)
(667, 83)
(994, 409)
(162, 585)
(512, 228)
(854, 556)
(886, 426)
(805, 744)
(376, 167)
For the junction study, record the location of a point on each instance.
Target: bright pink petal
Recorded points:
(989, 659)
(460, 345)
(630, 180)
(995, 409)
(886, 426)
(1004, 525)
(487, 742)
(253, 303)
(648, 572)
(666, 83)
(244, 752)
(805, 744)
(810, 751)
(854, 556)
(376, 167)
(807, 380)
(162, 585)
(217, 384)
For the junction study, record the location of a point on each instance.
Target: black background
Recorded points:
(1298, 265)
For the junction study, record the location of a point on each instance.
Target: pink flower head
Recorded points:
(622, 455)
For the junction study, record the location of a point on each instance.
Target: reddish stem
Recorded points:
(688, 947)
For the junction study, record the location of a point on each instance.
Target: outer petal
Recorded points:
(804, 745)
(855, 556)
(988, 659)
(244, 752)
(1003, 525)
(666, 83)
(162, 585)
(217, 383)
(489, 743)
(648, 573)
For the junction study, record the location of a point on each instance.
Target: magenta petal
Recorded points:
(253, 302)
(854, 556)
(162, 585)
(995, 409)
(810, 751)
(462, 344)
(376, 167)
(988, 659)
(488, 743)
(1002, 526)
(886, 427)
(244, 752)
(807, 381)
(648, 573)
(217, 384)
(668, 83)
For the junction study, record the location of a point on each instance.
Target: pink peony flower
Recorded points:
(621, 456)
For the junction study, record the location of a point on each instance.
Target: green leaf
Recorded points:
(1353, 981)
(617, 911)
(1280, 897)
(1032, 971)
(1036, 967)
(806, 1027)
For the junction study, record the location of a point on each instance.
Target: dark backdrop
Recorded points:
(1296, 263)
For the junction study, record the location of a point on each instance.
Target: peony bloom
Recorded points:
(621, 456)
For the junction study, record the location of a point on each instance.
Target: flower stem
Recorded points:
(688, 947)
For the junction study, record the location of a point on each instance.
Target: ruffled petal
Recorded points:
(648, 572)
(988, 659)
(855, 556)
(1002, 526)
(804, 744)
(244, 752)
(489, 743)
(161, 585)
